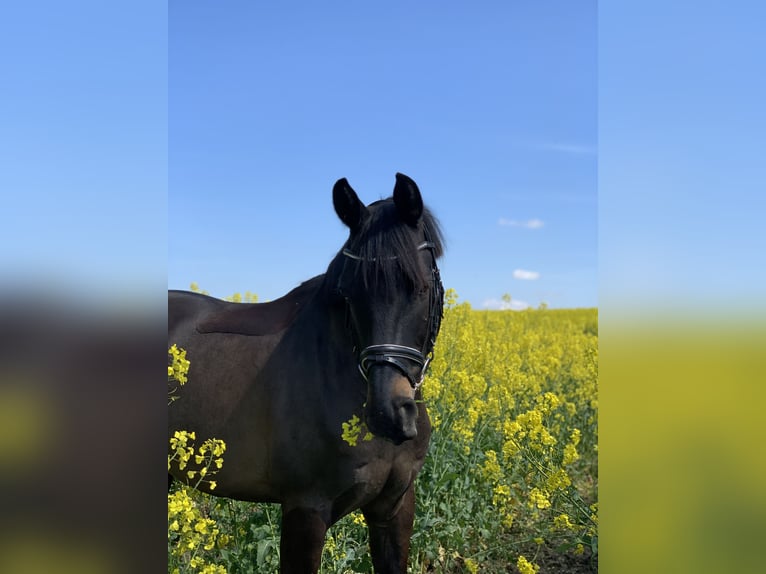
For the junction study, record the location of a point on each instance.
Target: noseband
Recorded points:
(399, 355)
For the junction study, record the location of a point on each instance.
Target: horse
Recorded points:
(277, 380)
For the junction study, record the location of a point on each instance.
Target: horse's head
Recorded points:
(388, 277)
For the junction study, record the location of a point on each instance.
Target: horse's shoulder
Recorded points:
(259, 318)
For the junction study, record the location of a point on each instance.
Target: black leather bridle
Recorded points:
(399, 355)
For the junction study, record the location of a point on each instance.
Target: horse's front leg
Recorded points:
(390, 536)
(303, 532)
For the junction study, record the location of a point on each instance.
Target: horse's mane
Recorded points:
(386, 251)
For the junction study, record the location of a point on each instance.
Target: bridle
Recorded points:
(398, 355)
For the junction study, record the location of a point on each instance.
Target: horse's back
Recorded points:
(185, 309)
(210, 315)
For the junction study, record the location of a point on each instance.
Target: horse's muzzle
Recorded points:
(391, 412)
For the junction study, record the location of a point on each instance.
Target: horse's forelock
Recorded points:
(387, 248)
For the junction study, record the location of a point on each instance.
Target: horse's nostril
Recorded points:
(408, 417)
(407, 409)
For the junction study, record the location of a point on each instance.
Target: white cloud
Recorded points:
(497, 304)
(525, 275)
(530, 224)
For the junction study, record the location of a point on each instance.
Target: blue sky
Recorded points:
(682, 157)
(146, 147)
(491, 110)
(83, 148)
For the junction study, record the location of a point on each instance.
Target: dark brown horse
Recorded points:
(276, 381)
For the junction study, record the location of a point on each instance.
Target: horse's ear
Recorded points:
(351, 211)
(409, 203)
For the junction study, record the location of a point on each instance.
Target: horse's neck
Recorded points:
(327, 339)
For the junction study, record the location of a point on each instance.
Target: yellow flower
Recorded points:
(201, 526)
(352, 430)
(510, 449)
(562, 522)
(548, 402)
(526, 567)
(539, 498)
(500, 494)
(179, 366)
(570, 454)
(558, 480)
(491, 470)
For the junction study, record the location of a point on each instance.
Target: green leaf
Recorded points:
(264, 546)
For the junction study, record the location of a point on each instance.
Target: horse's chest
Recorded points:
(383, 482)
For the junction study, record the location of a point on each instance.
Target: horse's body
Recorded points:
(276, 381)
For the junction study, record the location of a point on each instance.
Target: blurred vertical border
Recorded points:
(83, 255)
(682, 310)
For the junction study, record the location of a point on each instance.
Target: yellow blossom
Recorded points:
(179, 366)
(526, 567)
(558, 480)
(491, 468)
(570, 454)
(352, 430)
(539, 498)
(562, 522)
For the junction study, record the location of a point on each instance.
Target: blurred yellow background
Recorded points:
(682, 469)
